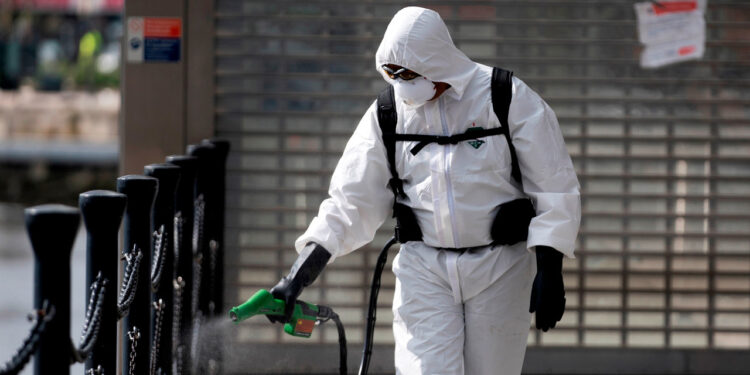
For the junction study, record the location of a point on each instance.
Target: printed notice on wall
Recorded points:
(671, 31)
(154, 39)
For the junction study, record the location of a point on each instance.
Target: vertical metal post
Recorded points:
(140, 192)
(215, 220)
(215, 235)
(163, 275)
(202, 265)
(52, 230)
(203, 191)
(184, 263)
(102, 212)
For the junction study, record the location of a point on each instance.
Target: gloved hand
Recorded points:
(548, 291)
(310, 262)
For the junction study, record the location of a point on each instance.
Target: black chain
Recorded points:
(160, 255)
(129, 281)
(133, 336)
(198, 226)
(194, 347)
(159, 309)
(198, 219)
(177, 237)
(40, 318)
(95, 371)
(179, 286)
(197, 265)
(180, 360)
(93, 321)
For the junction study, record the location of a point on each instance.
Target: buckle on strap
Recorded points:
(397, 186)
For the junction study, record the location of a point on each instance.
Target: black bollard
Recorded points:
(215, 221)
(163, 275)
(140, 192)
(203, 194)
(52, 230)
(201, 252)
(215, 236)
(102, 212)
(184, 262)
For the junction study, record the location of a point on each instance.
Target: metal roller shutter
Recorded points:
(663, 157)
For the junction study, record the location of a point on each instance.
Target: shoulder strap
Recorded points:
(387, 119)
(502, 94)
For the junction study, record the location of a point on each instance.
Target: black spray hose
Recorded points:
(371, 310)
(325, 313)
(342, 344)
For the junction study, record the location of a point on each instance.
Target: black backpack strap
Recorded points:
(425, 139)
(407, 228)
(387, 119)
(502, 94)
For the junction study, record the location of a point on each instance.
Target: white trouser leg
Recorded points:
(497, 322)
(428, 325)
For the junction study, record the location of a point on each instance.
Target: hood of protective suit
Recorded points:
(417, 39)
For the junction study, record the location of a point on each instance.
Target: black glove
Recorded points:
(548, 291)
(305, 270)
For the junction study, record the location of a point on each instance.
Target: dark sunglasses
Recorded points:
(402, 73)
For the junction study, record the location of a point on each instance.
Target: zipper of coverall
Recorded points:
(451, 257)
(447, 152)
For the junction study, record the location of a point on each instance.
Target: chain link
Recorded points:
(200, 206)
(160, 256)
(90, 330)
(177, 237)
(133, 336)
(194, 343)
(23, 354)
(197, 273)
(159, 308)
(129, 281)
(95, 371)
(179, 363)
(198, 223)
(179, 286)
(200, 211)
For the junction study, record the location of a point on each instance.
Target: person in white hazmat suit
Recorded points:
(461, 304)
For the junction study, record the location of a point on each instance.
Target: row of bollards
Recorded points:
(172, 270)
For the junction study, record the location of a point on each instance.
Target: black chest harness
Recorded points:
(512, 221)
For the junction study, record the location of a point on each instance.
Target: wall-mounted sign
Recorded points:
(154, 39)
(671, 31)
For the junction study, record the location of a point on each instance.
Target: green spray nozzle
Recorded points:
(262, 302)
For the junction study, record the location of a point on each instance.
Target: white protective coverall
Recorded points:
(455, 312)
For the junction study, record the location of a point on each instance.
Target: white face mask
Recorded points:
(414, 92)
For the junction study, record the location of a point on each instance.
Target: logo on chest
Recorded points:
(476, 143)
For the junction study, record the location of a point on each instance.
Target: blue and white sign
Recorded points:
(154, 39)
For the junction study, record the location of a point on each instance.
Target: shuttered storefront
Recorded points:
(663, 157)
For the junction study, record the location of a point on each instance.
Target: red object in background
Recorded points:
(686, 50)
(674, 7)
(113, 5)
(155, 27)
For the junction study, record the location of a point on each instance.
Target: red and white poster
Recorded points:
(671, 30)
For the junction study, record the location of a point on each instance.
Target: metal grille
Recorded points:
(663, 257)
